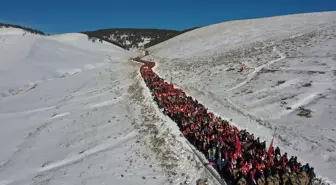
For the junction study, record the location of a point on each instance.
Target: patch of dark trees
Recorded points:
(133, 36)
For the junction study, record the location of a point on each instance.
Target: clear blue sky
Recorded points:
(73, 15)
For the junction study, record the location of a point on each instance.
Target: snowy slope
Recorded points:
(75, 112)
(290, 66)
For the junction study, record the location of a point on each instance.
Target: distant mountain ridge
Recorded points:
(130, 38)
(127, 38)
(35, 31)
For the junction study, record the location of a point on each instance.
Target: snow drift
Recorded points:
(287, 87)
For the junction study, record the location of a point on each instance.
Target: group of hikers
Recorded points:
(238, 156)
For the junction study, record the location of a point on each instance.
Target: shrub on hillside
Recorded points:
(304, 112)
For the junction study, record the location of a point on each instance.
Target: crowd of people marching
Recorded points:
(238, 156)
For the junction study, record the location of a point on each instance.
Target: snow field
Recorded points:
(74, 124)
(77, 112)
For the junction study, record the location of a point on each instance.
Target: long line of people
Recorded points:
(238, 156)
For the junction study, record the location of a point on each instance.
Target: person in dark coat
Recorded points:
(277, 151)
(311, 175)
(251, 178)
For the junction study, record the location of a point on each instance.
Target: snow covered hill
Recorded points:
(287, 86)
(76, 112)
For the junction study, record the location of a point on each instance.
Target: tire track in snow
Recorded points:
(252, 75)
(105, 103)
(87, 153)
(25, 144)
(30, 137)
(60, 115)
(26, 112)
(54, 166)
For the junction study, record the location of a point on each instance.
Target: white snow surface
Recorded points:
(77, 112)
(290, 62)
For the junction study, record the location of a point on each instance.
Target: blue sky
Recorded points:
(73, 15)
